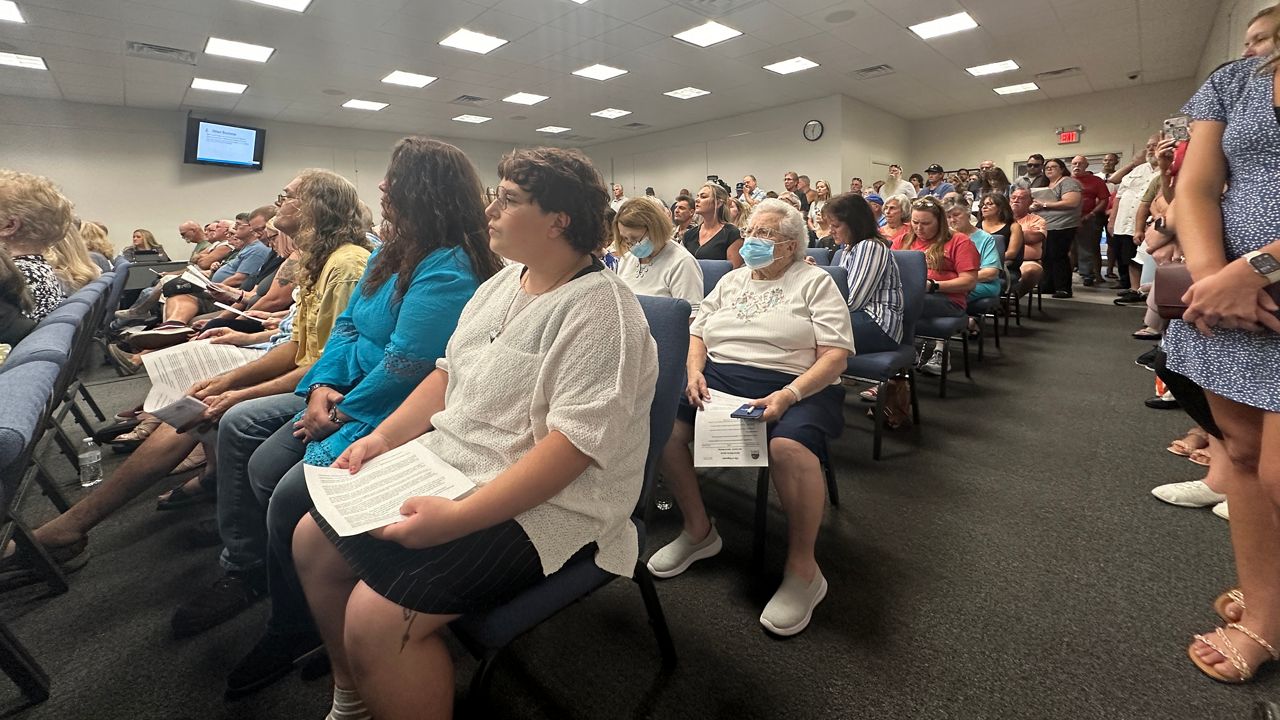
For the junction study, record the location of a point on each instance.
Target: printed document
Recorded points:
(723, 441)
(174, 369)
(182, 413)
(371, 498)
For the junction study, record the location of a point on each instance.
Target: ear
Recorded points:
(10, 227)
(559, 223)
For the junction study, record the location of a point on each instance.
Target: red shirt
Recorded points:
(958, 255)
(1095, 191)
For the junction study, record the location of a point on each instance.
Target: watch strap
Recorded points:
(1267, 259)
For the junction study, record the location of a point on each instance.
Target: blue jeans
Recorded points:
(245, 445)
(868, 337)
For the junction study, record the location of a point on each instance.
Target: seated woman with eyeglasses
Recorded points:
(875, 287)
(960, 220)
(953, 263)
(777, 331)
(650, 263)
(996, 217)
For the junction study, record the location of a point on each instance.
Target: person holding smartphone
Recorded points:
(777, 331)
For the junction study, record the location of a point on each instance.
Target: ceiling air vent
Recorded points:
(470, 100)
(874, 71)
(636, 126)
(577, 138)
(1060, 73)
(716, 8)
(159, 52)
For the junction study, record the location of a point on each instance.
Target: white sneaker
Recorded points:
(1188, 494)
(1221, 511)
(791, 607)
(934, 366)
(676, 556)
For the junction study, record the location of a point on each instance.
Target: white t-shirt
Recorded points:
(578, 360)
(1129, 196)
(774, 324)
(672, 272)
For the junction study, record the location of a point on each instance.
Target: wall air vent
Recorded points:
(159, 52)
(874, 71)
(1059, 73)
(636, 126)
(470, 100)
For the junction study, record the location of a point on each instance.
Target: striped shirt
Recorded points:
(874, 285)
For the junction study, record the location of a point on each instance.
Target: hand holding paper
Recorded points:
(723, 441)
(427, 521)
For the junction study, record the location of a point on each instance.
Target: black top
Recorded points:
(13, 324)
(717, 248)
(804, 201)
(1007, 232)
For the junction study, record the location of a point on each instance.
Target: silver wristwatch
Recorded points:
(1264, 264)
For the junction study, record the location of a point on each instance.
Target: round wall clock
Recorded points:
(812, 130)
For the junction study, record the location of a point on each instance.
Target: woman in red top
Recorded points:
(953, 262)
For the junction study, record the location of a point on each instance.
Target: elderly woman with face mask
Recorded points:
(776, 331)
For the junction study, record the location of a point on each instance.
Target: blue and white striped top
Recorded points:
(874, 285)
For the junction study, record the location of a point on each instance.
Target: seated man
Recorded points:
(1033, 234)
(334, 265)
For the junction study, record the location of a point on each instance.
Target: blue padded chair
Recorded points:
(712, 271)
(837, 258)
(983, 308)
(73, 314)
(117, 285)
(486, 634)
(880, 367)
(49, 341)
(841, 278)
(820, 255)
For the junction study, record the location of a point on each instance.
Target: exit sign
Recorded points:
(1066, 137)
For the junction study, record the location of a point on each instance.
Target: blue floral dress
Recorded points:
(1235, 364)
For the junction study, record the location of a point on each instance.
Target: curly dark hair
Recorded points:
(563, 181)
(434, 200)
(330, 219)
(853, 211)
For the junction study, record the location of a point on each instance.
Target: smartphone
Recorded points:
(713, 178)
(748, 412)
(739, 188)
(1176, 128)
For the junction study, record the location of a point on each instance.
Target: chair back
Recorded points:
(69, 313)
(712, 271)
(51, 342)
(669, 325)
(1002, 247)
(140, 275)
(841, 278)
(26, 391)
(820, 255)
(914, 271)
(838, 257)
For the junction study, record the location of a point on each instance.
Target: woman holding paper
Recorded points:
(552, 363)
(777, 331)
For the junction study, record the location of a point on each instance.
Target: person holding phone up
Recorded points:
(778, 331)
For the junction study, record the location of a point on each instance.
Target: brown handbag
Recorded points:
(1171, 283)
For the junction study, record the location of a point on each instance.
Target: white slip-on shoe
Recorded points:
(791, 607)
(1221, 511)
(676, 556)
(1193, 493)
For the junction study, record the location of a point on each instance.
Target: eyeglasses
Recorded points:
(284, 196)
(1031, 165)
(763, 233)
(268, 237)
(926, 202)
(503, 200)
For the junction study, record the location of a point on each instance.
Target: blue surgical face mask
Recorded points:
(642, 249)
(756, 252)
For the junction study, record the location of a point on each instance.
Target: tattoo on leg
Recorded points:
(409, 617)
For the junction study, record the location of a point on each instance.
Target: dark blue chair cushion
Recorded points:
(880, 365)
(26, 390)
(841, 278)
(712, 271)
(49, 342)
(72, 314)
(940, 327)
(822, 256)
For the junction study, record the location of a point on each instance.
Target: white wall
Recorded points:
(123, 166)
(1115, 121)
(873, 140)
(1227, 36)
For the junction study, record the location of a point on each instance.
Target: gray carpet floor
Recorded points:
(1006, 562)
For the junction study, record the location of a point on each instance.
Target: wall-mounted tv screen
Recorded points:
(211, 143)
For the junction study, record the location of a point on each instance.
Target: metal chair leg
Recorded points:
(22, 668)
(50, 488)
(946, 366)
(41, 563)
(833, 492)
(964, 342)
(93, 404)
(762, 515)
(915, 399)
(878, 421)
(657, 619)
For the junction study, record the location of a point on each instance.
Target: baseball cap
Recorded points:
(874, 198)
(934, 168)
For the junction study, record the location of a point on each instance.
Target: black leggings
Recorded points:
(1057, 260)
(1122, 249)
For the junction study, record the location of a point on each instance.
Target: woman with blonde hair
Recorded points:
(96, 241)
(71, 262)
(715, 238)
(144, 247)
(34, 216)
(648, 263)
(817, 220)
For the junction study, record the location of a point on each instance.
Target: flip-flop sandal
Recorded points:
(1194, 440)
(1234, 595)
(16, 570)
(869, 395)
(1200, 457)
(1228, 650)
(179, 498)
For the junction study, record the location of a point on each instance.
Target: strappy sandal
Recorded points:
(1234, 595)
(1195, 439)
(1200, 457)
(1228, 650)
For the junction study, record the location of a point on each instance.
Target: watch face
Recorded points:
(1265, 264)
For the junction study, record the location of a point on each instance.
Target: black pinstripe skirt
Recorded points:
(473, 573)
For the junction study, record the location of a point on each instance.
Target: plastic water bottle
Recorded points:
(662, 497)
(90, 463)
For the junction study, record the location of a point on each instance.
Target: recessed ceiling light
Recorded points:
(476, 119)
(611, 113)
(217, 86)
(687, 92)
(554, 129)
(992, 68)
(364, 105)
(708, 34)
(1020, 88)
(238, 50)
(580, 2)
(294, 5)
(22, 61)
(795, 64)
(400, 77)
(9, 11)
(524, 98)
(599, 72)
(944, 26)
(473, 41)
